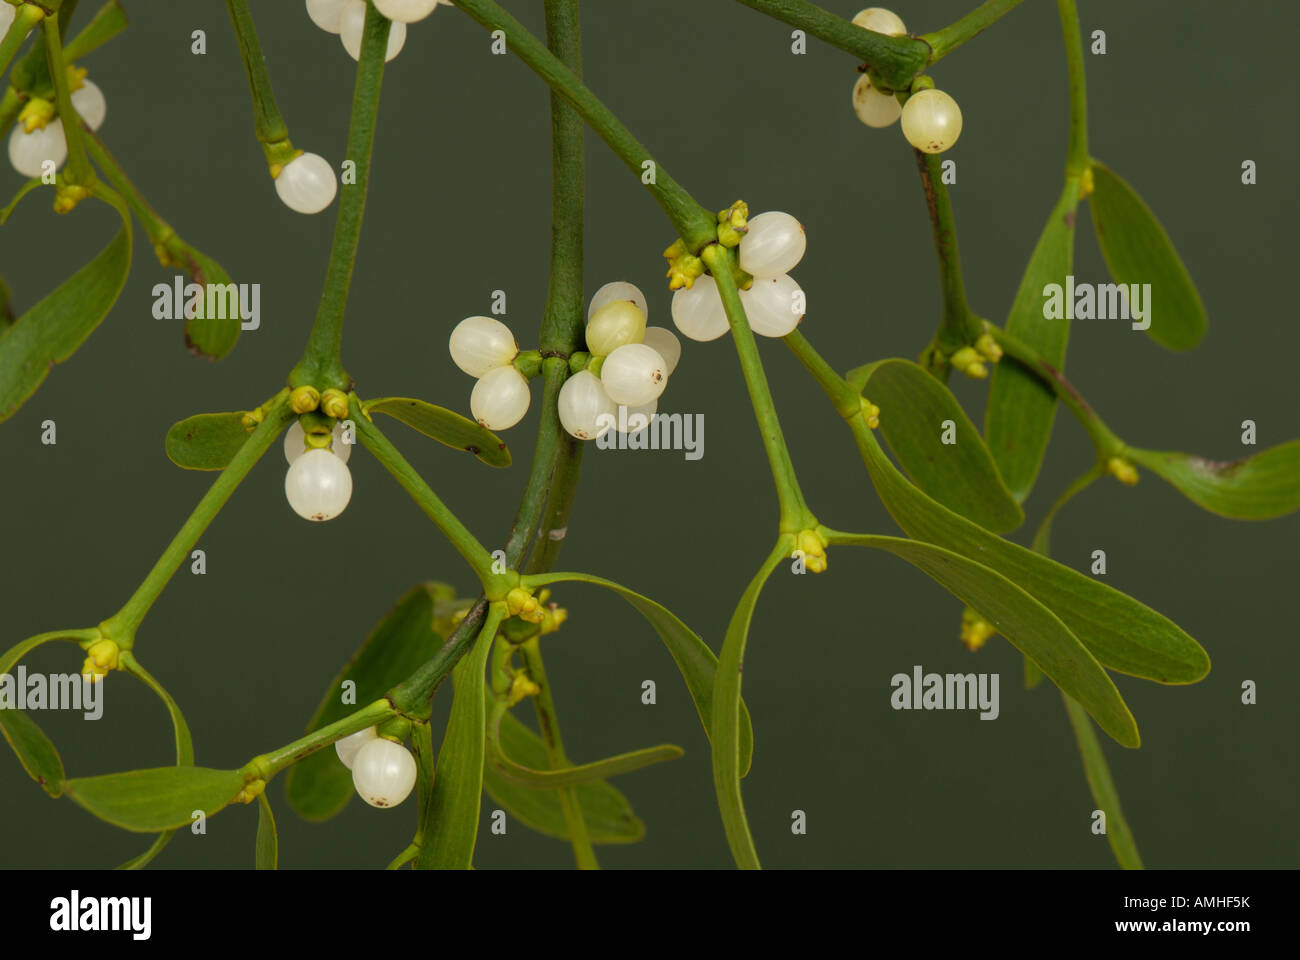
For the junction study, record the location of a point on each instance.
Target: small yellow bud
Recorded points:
(520, 687)
(975, 630)
(252, 790)
(522, 604)
(76, 77)
(813, 547)
(251, 419)
(989, 347)
(304, 399)
(683, 271)
(1086, 184)
(870, 412)
(67, 196)
(963, 358)
(732, 224)
(36, 114)
(334, 403)
(1122, 470)
(101, 657)
(552, 618)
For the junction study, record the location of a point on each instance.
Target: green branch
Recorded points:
(27, 17)
(78, 170)
(945, 41)
(958, 326)
(267, 121)
(1077, 160)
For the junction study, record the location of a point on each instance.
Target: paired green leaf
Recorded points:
(1138, 251)
(692, 655)
(452, 820)
(445, 426)
(1259, 487)
(266, 849)
(1121, 633)
(1032, 628)
(35, 751)
(1020, 411)
(162, 798)
(605, 811)
(319, 786)
(962, 476)
(52, 329)
(206, 441)
(528, 776)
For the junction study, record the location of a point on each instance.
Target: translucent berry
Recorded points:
(406, 11)
(585, 408)
(90, 103)
(307, 183)
(616, 323)
(881, 21)
(295, 443)
(636, 419)
(500, 398)
(28, 151)
(326, 14)
(774, 245)
(618, 290)
(666, 344)
(318, 485)
(634, 374)
(480, 344)
(347, 747)
(931, 121)
(698, 312)
(874, 108)
(352, 22)
(383, 772)
(774, 306)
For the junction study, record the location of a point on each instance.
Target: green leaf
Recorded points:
(1031, 627)
(146, 858)
(51, 330)
(212, 336)
(692, 655)
(206, 441)
(962, 475)
(108, 22)
(1258, 487)
(37, 754)
(445, 426)
(1137, 250)
(452, 820)
(266, 849)
(1121, 633)
(10, 658)
(582, 773)
(319, 786)
(1020, 410)
(1104, 794)
(162, 798)
(606, 812)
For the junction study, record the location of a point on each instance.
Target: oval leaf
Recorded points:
(266, 849)
(1121, 633)
(583, 773)
(214, 329)
(1031, 627)
(206, 441)
(961, 475)
(35, 751)
(692, 655)
(163, 798)
(1259, 487)
(605, 811)
(52, 329)
(445, 426)
(1104, 794)
(319, 786)
(1138, 251)
(1020, 410)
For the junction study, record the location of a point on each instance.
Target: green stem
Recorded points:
(267, 121)
(475, 554)
(549, 724)
(159, 231)
(78, 170)
(405, 857)
(896, 60)
(121, 627)
(848, 402)
(555, 519)
(945, 41)
(693, 223)
(108, 21)
(412, 695)
(958, 326)
(27, 17)
(1104, 794)
(321, 365)
(795, 514)
(268, 765)
(1077, 159)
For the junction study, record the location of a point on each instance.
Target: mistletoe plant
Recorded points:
(953, 489)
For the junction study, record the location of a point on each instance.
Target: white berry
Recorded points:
(90, 103)
(500, 398)
(874, 108)
(618, 290)
(881, 21)
(774, 306)
(295, 443)
(774, 244)
(318, 485)
(348, 747)
(616, 323)
(931, 121)
(666, 344)
(406, 11)
(29, 151)
(383, 773)
(636, 419)
(307, 184)
(326, 14)
(352, 23)
(634, 374)
(585, 408)
(480, 344)
(7, 14)
(698, 311)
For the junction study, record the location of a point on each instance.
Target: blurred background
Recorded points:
(459, 207)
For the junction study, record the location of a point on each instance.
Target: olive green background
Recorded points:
(459, 207)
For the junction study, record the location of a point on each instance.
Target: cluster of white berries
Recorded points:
(772, 245)
(383, 771)
(347, 18)
(318, 484)
(39, 139)
(634, 363)
(485, 348)
(931, 118)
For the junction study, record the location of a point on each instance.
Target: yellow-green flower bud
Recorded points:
(252, 790)
(870, 412)
(521, 686)
(975, 630)
(732, 223)
(1122, 470)
(334, 403)
(35, 114)
(304, 399)
(522, 604)
(101, 657)
(989, 347)
(813, 547)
